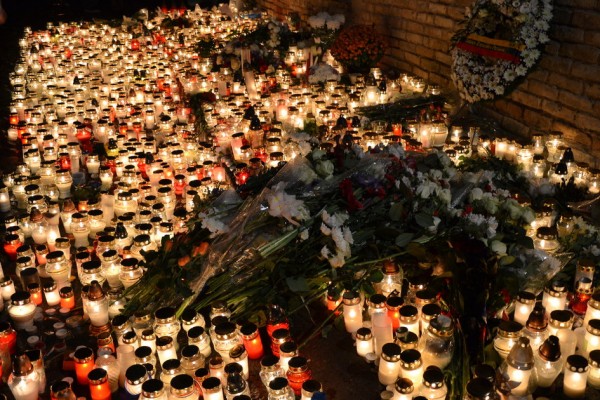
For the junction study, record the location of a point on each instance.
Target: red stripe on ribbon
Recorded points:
(488, 53)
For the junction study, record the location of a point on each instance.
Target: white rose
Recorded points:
(498, 247)
(324, 168)
(476, 194)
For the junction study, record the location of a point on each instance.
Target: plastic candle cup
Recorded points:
(523, 306)
(298, 373)
(153, 389)
(7, 288)
(21, 310)
(99, 387)
(353, 319)
(411, 367)
(382, 331)
(393, 304)
(97, 305)
(409, 318)
(211, 389)
(24, 380)
(67, 298)
(519, 365)
(165, 348)
(575, 377)
(389, 364)
(252, 341)
(548, 362)
(364, 342)
(593, 309)
(84, 364)
(8, 338)
(593, 378)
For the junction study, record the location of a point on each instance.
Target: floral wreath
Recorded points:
(501, 42)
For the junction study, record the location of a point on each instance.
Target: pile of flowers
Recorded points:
(358, 48)
(500, 43)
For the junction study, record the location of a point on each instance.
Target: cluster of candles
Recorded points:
(546, 156)
(412, 341)
(161, 356)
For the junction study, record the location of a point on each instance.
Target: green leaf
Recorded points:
(417, 250)
(423, 239)
(297, 284)
(376, 276)
(396, 211)
(424, 220)
(404, 238)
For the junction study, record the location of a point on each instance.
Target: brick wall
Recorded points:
(561, 93)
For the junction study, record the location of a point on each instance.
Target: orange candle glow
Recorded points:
(13, 119)
(393, 304)
(84, 364)
(252, 341)
(99, 387)
(36, 293)
(67, 298)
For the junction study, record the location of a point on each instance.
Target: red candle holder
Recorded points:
(84, 364)
(8, 338)
(11, 243)
(252, 341)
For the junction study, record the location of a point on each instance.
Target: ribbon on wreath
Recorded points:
(489, 47)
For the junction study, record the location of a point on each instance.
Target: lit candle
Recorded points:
(593, 378)
(411, 367)
(353, 319)
(593, 309)
(519, 365)
(382, 331)
(393, 304)
(555, 297)
(211, 389)
(389, 364)
(523, 306)
(7, 287)
(548, 362)
(21, 310)
(364, 342)
(575, 377)
(252, 341)
(67, 298)
(84, 364)
(97, 305)
(99, 387)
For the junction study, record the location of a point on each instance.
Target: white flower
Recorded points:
(476, 194)
(336, 220)
(214, 225)
(324, 168)
(394, 149)
(498, 247)
(325, 230)
(286, 206)
(303, 234)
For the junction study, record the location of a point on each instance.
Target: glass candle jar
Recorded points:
(67, 298)
(286, 351)
(280, 336)
(309, 388)
(11, 243)
(437, 343)
(165, 323)
(80, 227)
(91, 271)
(591, 340)
(506, 337)
(182, 387)
(575, 377)
(270, 369)
(84, 364)
(389, 364)
(226, 338)
(7, 288)
(593, 378)
(198, 336)
(593, 309)
(536, 328)
(191, 359)
(411, 367)
(170, 369)
(403, 389)
(212, 389)
(353, 319)
(252, 341)
(153, 389)
(111, 268)
(165, 348)
(364, 342)
(546, 239)
(392, 278)
(428, 313)
(21, 310)
(23, 382)
(433, 385)
(279, 389)
(58, 268)
(298, 373)
(239, 356)
(191, 318)
(99, 387)
(8, 340)
(62, 390)
(560, 320)
(130, 272)
(135, 376)
(409, 318)
(217, 368)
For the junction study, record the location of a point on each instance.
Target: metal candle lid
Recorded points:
(561, 319)
(433, 378)
(550, 349)
(521, 355)
(404, 386)
(577, 363)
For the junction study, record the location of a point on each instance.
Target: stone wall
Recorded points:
(561, 93)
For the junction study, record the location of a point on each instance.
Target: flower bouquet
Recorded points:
(358, 48)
